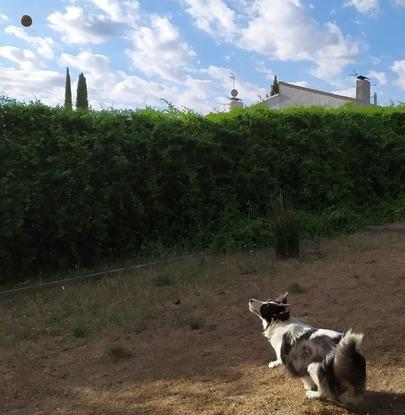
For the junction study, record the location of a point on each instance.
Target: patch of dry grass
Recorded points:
(129, 300)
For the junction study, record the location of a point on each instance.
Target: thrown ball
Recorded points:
(26, 20)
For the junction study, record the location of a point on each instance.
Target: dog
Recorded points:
(328, 362)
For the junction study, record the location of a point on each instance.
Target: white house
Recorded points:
(291, 95)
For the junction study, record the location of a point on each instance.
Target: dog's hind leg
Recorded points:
(313, 370)
(350, 397)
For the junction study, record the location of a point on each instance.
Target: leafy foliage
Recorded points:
(68, 91)
(76, 187)
(274, 87)
(81, 95)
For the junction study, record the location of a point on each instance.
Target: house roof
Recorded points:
(315, 91)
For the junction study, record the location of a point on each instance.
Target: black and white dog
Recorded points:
(328, 362)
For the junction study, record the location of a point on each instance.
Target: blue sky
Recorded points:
(136, 52)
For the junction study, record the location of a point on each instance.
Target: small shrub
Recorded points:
(247, 269)
(242, 233)
(135, 317)
(162, 280)
(119, 352)
(79, 331)
(295, 288)
(192, 321)
(286, 228)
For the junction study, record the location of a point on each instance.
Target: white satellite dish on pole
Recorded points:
(234, 102)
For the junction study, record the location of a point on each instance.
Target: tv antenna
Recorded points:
(358, 76)
(234, 91)
(233, 80)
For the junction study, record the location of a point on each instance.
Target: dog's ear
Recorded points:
(283, 298)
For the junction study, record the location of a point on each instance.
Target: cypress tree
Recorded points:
(81, 97)
(274, 87)
(68, 91)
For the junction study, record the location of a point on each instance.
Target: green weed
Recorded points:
(162, 280)
(295, 288)
(119, 352)
(79, 331)
(192, 321)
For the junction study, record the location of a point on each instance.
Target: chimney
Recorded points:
(375, 98)
(362, 90)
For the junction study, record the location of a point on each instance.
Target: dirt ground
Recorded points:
(221, 368)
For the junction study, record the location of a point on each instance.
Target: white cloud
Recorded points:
(279, 29)
(262, 67)
(26, 59)
(400, 2)
(119, 11)
(47, 86)
(381, 77)
(399, 68)
(305, 84)
(77, 27)
(198, 95)
(160, 50)
(135, 91)
(44, 45)
(86, 62)
(213, 17)
(348, 92)
(3, 17)
(111, 8)
(364, 6)
(218, 72)
(248, 92)
(282, 29)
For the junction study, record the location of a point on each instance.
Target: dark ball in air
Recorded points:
(26, 20)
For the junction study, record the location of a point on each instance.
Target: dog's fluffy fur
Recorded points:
(328, 362)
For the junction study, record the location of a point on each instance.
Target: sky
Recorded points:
(138, 53)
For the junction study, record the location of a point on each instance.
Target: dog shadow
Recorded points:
(380, 403)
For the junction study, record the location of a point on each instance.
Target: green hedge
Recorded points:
(79, 186)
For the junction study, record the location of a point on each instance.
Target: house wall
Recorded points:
(273, 102)
(290, 96)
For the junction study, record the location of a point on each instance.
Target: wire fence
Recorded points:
(100, 274)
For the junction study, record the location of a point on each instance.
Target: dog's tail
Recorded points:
(350, 367)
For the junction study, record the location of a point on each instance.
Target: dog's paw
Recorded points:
(274, 364)
(312, 394)
(309, 385)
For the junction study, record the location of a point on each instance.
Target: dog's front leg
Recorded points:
(278, 361)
